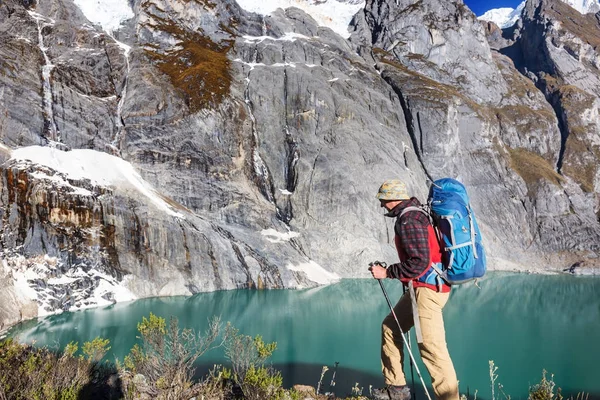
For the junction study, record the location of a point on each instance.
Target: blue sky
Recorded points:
(481, 6)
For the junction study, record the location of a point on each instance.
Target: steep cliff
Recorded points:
(203, 147)
(557, 48)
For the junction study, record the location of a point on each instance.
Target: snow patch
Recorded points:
(285, 64)
(100, 168)
(333, 14)
(63, 280)
(22, 286)
(278, 237)
(58, 181)
(315, 272)
(108, 285)
(287, 37)
(110, 14)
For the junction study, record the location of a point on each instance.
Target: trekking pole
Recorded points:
(412, 358)
(412, 373)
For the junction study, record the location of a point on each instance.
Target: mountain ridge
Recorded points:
(506, 17)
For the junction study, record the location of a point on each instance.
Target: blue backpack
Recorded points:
(463, 255)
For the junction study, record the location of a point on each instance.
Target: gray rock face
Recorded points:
(564, 67)
(441, 39)
(505, 143)
(248, 149)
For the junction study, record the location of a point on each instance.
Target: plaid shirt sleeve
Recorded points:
(414, 241)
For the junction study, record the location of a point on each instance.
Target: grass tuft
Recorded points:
(532, 167)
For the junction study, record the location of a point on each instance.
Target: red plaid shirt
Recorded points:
(412, 242)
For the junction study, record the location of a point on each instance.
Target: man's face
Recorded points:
(389, 204)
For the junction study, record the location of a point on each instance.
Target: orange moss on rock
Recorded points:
(532, 167)
(196, 66)
(428, 89)
(581, 160)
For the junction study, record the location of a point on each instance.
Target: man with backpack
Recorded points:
(419, 269)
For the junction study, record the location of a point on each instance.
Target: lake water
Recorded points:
(524, 323)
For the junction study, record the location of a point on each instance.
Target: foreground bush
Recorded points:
(161, 367)
(248, 355)
(30, 373)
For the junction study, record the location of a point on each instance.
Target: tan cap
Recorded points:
(393, 189)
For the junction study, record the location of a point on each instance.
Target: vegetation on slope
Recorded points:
(161, 366)
(196, 66)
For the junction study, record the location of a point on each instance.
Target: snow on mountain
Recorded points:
(315, 272)
(334, 14)
(107, 13)
(503, 17)
(100, 168)
(506, 17)
(584, 6)
(42, 279)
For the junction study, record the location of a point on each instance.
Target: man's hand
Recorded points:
(378, 271)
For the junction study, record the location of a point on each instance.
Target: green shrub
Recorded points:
(37, 373)
(248, 356)
(246, 351)
(262, 383)
(162, 365)
(545, 389)
(95, 350)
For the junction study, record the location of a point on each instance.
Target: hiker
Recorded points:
(418, 249)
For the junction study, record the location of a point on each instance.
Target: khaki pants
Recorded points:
(434, 351)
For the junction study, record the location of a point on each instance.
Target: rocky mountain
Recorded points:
(202, 146)
(506, 17)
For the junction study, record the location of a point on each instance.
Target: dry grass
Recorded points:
(414, 7)
(586, 26)
(581, 161)
(518, 85)
(427, 88)
(525, 119)
(197, 67)
(574, 99)
(532, 167)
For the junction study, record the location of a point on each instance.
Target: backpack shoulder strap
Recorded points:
(413, 208)
(422, 209)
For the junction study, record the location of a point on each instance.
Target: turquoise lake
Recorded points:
(524, 323)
